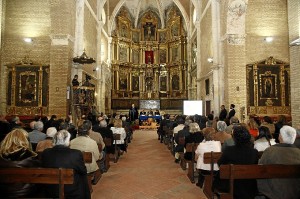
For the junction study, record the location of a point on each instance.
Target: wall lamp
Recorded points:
(210, 60)
(28, 40)
(269, 39)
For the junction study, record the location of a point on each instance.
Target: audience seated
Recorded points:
(264, 139)
(180, 121)
(221, 135)
(118, 129)
(207, 145)
(48, 142)
(4, 126)
(37, 134)
(253, 127)
(195, 136)
(15, 151)
(84, 143)
(283, 153)
(268, 122)
(61, 156)
(233, 121)
(105, 132)
(241, 153)
(280, 123)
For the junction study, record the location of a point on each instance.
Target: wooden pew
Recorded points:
(117, 149)
(212, 158)
(233, 172)
(107, 142)
(58, 176)
(95, 176)
(191, 147)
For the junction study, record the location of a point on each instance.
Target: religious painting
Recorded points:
(149, 31)
(135, 83)
(123, 54)
(163, 83)
(135, 56)
(123, 83)
(149, 59)
(268, 88)
(135, 36)
(175, 54)
(175, 30)
(162, 37)
(162, 56)
(27, 88)
(175, 83)
(149, 84)
(123, 30)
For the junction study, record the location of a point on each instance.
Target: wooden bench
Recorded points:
(58, 176)
(212, 158)
(117, 149)
(233, 172)
(108, 143)
(191, 147)
(92, 177)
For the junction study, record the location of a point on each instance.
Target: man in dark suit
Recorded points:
(223, 113)
(61, 156)
(231, 112)
(133, 113)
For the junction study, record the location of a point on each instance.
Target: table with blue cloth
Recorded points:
(157, 118)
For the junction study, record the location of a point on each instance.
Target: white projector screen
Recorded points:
(192, 107)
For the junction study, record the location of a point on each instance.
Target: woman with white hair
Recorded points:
(283, 153)
(221, 135)
(61, 156)
(48, 142)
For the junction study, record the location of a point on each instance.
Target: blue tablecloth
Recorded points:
(145, 117)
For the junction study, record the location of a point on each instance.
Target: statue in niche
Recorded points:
(268, 87)
(175, 82)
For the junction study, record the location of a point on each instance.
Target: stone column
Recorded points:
(218, 94)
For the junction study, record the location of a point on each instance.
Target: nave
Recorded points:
(146, 171)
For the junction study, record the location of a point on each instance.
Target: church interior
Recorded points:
(221, 52)
(72, 58)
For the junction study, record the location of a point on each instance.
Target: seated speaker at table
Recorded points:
(143, 112)
(156, 112)
(150, 112)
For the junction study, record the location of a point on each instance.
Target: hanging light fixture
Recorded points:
(83, 59)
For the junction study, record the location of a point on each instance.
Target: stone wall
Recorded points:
(294, 33)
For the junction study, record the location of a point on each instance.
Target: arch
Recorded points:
(184, 14)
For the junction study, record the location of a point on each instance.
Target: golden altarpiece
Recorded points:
(149, 62)
(268, 88)
(28, 89)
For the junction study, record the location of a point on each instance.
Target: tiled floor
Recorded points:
(147, 171)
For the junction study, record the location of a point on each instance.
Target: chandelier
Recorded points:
(83, 59)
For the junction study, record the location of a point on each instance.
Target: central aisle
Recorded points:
(147, 171)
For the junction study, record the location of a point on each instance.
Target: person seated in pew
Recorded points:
(61, 156)
(207, 145)
(221, 135)
(48, 142)
(84, 143)
(241, 153)
(118, 129)
(15, 151)
(99, 140)
(283, 153)
(195, 136)
(264, 139)
(105, 132)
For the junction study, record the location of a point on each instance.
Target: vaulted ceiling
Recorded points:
(137, 7)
